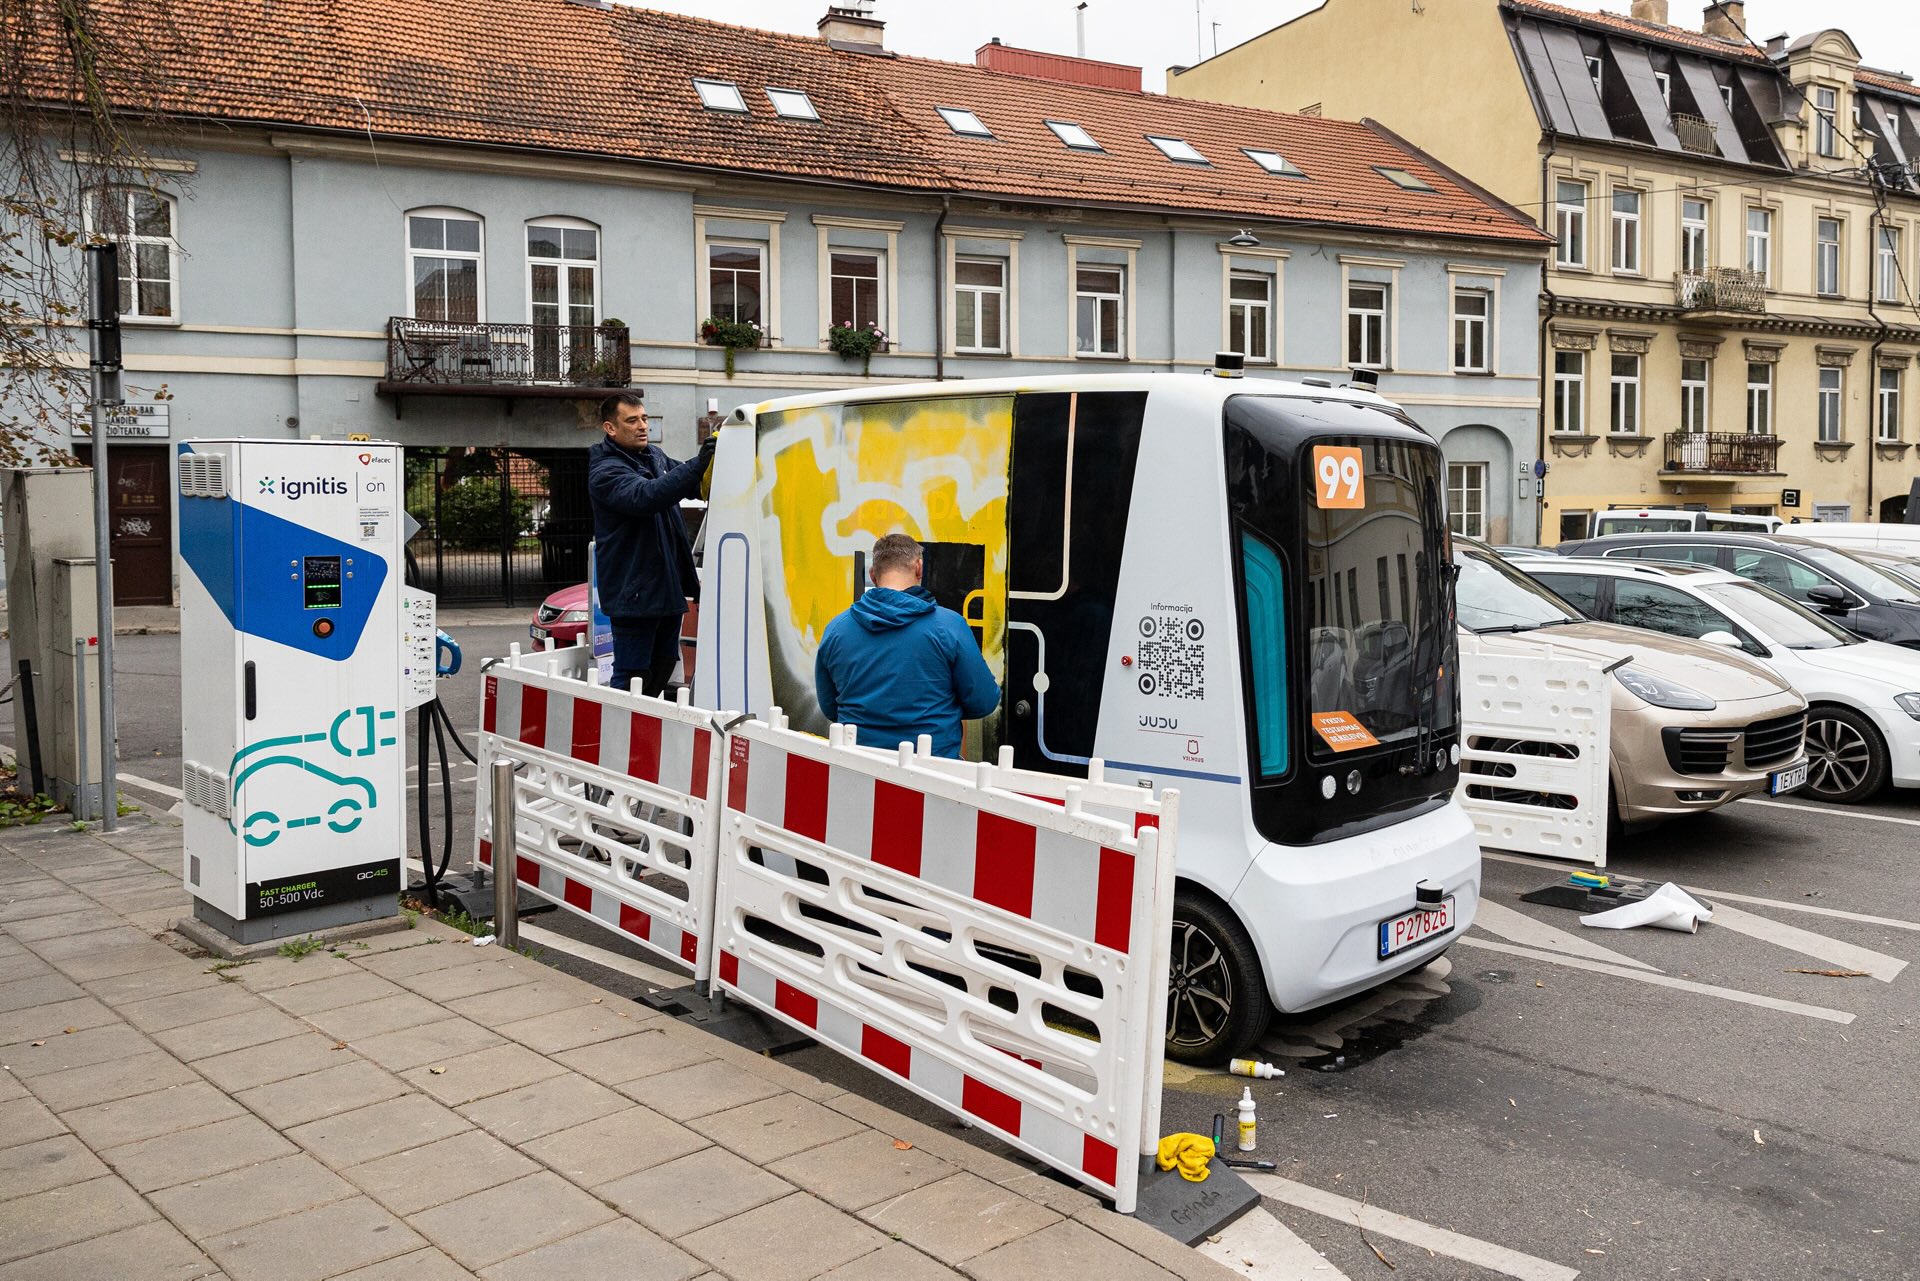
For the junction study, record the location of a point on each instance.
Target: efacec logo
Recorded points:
(287, 487)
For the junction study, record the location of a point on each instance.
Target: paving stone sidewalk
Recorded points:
(414, 1108)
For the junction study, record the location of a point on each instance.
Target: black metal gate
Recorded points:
(498, 526)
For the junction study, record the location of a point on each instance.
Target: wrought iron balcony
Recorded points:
(426, 357)
(1721, 452)
(1696, 133)
(1728, 289)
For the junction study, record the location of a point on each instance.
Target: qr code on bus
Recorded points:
(1173, 656)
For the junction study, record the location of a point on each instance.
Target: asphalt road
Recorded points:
(1680, 1105)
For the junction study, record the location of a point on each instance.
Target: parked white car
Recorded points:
(1858, 535)
(1863, 715)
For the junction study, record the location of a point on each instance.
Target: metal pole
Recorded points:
(506, 859)
(30, 710)
(80, 810)
(103, 266)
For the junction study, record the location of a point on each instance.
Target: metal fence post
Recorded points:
(506, 858)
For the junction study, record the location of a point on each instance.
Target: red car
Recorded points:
(564, 617)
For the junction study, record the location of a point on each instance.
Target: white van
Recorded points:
(1902, 540)
(1674, 520)
(1235, 588)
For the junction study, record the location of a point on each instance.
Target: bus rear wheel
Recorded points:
(1216, 996)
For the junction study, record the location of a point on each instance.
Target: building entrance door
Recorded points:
(140, 515)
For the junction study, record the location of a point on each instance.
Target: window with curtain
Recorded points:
(1100, 301)
(1250, 315)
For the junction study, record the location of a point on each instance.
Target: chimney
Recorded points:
(995, 56)
(1651, 11)
(851, 26)
(1726, 21)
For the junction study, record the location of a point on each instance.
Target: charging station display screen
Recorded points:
(320, 581)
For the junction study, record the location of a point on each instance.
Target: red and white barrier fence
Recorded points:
(1001, 955)
(617, 801)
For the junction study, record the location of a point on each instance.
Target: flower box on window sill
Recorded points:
(731, 336)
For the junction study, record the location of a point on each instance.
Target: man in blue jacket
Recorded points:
(642, 557)
(897, 665)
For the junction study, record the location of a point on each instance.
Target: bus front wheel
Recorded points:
(1216, 996)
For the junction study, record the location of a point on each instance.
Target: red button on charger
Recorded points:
(323, 627)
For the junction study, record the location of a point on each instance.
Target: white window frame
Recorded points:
(1726, 96)
(1570, 394)
(1627, 257)
(977, 293)
(1696, 396)
(478, 256)
(1178, 150)
(1101, 300)
(792, 104)
(1085, 251)
(1247, 316)
(130, 242)
(1381, 348)
(1827, 257)
(1465, 325)
(1886, 261)
(1761, 238)
(1696, 237)
(723, 96)
(1596, 71)
(834, 234)
(1759, 398)
(1273, 162)
(1829, 426)
(1826, 110)
(1074, 137)
(964, 122)
(1623, 394)
(988, 244)
(1665, 81)
(1472, 482)
(566, 224)
(882, 295)
(1570, 223)
(755, 247)
(769, 221)
(1887, 394)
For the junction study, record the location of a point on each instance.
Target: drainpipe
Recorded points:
(1873, 371)
(1173, 284)
(1546, 351)
(940, 291)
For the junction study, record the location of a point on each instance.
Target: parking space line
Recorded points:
(1481, 1254)
(148, 785)
(1831, 811)
(1663, 980)
(1888, 921)
(1879, 964)
(1518, 927)
(1258, 1245)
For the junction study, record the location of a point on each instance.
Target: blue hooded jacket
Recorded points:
(897, 665)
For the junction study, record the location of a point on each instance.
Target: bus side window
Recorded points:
(1267, 653)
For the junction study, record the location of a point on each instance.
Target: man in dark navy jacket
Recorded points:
(642, 557)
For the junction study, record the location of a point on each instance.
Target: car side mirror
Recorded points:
(1722, 638)
(1829, 598)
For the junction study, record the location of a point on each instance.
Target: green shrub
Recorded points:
(471, 513)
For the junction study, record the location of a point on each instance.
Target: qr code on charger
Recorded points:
(1173, 656)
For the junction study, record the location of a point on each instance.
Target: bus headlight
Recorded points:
(1661, 692)
(1908, 703)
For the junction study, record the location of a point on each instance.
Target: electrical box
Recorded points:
(301, 651)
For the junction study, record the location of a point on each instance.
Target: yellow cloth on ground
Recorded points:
(1189, 1153)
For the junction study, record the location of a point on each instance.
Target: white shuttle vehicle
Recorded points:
(1237, 588)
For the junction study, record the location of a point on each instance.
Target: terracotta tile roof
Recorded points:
(1658, 33)
(616, 82)
(1887, 84)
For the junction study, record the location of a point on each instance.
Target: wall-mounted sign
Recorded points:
(1789, 498)
(151, 420)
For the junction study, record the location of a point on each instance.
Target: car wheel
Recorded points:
(1217, 1003)
(1846, 758)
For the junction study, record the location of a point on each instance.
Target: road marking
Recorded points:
(1663, 980)
(148, 785)
(1518, 927)
(602, 957)
(1832, 812)
(1258, 1245)
(1846, 955)
(1482, 1254)
(1809, 908)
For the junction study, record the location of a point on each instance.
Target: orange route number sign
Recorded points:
(1338, 477)
(1342, 732)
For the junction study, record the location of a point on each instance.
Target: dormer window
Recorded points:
(1726, 95)
(964, 122)
(721, 95)
(792, 104)
(1593, 70)
(1178, 150)
(1665, 82)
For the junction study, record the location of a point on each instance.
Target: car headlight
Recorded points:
(1661, 692)
(572, 616)
(1908, 703)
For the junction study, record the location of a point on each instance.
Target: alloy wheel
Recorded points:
(1199, 987)
(1838, 757)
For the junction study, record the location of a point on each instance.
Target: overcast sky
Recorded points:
(1155, 33)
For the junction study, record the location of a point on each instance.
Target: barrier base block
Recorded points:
(474, 896)
(1191, 1212)
(731, 1022)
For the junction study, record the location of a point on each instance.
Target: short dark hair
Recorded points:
(612, 405)
(893, 552)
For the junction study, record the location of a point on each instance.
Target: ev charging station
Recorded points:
(302, 653)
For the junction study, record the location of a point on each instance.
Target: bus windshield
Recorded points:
(1340, 540)
(1610, 524)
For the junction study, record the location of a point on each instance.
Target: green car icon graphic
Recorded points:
(314, 794)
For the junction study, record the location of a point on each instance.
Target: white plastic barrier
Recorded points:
(1534, 753)
(999, 955)
(617, 801)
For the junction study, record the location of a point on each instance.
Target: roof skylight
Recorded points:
(721, 95)
(1074, 136)
(1402, 179)
(792, 104)
(962, 121)
(1274, 162)
(1178, 149)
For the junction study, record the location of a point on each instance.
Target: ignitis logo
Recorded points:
(289, 488)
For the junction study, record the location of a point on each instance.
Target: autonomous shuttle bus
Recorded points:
(1240, 589)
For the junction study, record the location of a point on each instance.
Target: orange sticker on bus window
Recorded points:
(1338, 477)
(1342, 732)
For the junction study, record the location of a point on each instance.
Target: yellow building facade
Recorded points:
(1729, 320)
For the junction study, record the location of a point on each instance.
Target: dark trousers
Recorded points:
(645, 649)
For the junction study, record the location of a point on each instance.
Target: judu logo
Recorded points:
(289, 488)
